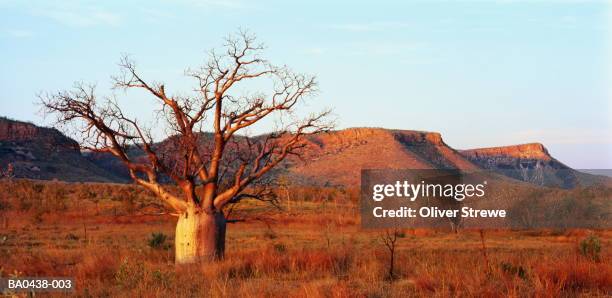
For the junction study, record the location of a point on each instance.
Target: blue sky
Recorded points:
(483, 73)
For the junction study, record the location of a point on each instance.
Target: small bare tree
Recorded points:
(209, 158)
(389, 239)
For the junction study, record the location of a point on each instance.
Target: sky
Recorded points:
(482, 73)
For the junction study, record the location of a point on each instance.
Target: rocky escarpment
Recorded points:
(431, 147)
(45, 153)
(523, 151)
(527, 162)
(333, 158)
(23, 132)
(515, 157)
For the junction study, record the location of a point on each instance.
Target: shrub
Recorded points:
(590, 247)
(129, 274)
(72, 236)
(280, 247)
(158, 240)
(270, 234)
(38, 188)
(161, 278)
(514, 270)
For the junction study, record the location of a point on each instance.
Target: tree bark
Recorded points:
(200, 236)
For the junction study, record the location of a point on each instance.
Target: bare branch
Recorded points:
(207, 147)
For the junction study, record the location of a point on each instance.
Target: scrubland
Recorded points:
(102, 235)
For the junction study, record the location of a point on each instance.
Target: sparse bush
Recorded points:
(590, 247)
(280, 247)
(161, 278)
(401, 234)
(38, 188)
(270, 234)
(342, 264)
(129, 274)
(158, 241)
(517, 270)
(71, 236)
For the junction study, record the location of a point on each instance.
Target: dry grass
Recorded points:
(316, 250)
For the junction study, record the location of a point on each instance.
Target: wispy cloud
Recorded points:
(18, 33)
(370, 26)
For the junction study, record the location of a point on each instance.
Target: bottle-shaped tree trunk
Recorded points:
(200, 236)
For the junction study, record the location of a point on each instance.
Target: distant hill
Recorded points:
(45, 153)
(336, 158)
(329, 159)
(530, 163)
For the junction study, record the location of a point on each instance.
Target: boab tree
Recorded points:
(211, 161)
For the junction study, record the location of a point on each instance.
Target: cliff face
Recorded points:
(14, 131)
(516, 157)
(524, 151)
(23, 132)
(45, 153)
(527, 162)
